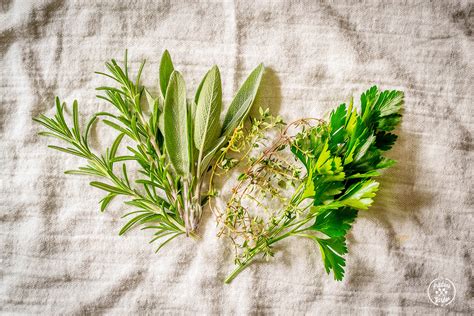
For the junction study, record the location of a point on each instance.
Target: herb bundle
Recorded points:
(175, 140)
(338, 161)
(310, 183)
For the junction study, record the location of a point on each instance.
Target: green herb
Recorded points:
(338, 160)
(175, 139)
(174, 143)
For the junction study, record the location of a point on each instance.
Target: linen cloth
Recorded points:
(59, 255)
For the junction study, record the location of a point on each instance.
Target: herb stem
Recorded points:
(271, 241)
(239, 269)
(252, 255)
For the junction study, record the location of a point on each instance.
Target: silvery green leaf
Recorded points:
(206, 121)
(152, 101)
(243, 100)
(190, 115)
(199, 88)
(208, 157)
(155, 109)
(161, 123)
(166, 69)
(149, 98)
(176, 133)
(192, 108)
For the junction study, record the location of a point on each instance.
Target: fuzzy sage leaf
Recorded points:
(206, 119)
(243, 100)
(176, 131)
(166, 69)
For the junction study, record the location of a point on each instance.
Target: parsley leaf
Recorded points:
(335, 223)
(331, 251)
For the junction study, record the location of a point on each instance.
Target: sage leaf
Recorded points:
(156, 109)
(208, 157)
(176, 132)
(206, 120)
(199, 88)
(166, 69)
(243, 100)
(161, 123)
(190, 118)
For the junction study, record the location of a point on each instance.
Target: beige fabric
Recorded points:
(59, 255)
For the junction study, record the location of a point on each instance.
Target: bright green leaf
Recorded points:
(335, 222)
(106, 201)
(331, 251)
(108, 187)
(360, 195)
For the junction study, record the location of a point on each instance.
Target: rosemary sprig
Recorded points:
(151, 206)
